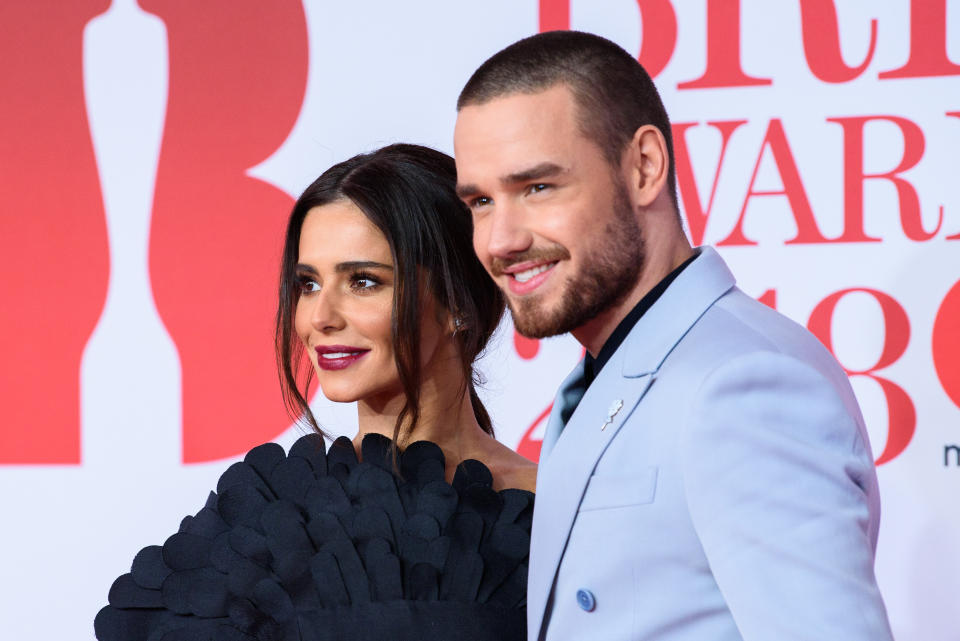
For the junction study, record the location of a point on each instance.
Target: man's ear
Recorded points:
(646, 163)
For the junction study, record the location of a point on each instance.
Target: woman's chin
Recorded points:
(336, 395)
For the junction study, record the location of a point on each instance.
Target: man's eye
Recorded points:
(480, 201)
(537, 187)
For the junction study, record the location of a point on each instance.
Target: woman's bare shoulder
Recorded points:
(511, 470)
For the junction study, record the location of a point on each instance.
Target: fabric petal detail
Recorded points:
(320, 538)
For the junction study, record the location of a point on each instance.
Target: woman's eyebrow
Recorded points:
(354, 265)
(306, 269)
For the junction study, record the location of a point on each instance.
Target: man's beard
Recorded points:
(614, 266)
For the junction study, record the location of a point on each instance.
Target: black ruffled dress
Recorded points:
(316, 546)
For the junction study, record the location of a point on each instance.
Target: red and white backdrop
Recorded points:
(151, 152)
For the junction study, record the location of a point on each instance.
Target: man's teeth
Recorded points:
(526, 275)
(333, 355)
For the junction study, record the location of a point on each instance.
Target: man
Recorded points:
(705, 473)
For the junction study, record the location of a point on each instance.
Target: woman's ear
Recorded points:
(646, 163)
(453, 321)
(455, 324)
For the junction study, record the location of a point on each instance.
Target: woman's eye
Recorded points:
(364, 283)
(308, 286)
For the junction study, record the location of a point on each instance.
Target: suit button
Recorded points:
(585, 600)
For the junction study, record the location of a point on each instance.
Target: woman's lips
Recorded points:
(333, 357)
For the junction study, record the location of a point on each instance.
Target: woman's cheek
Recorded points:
(301, 326)
(377, 323)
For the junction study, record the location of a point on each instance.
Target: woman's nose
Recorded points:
(325, 315)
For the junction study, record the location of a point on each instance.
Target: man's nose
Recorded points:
(508, 231)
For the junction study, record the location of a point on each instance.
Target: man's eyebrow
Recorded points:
(543, 170)
(537, 172)
(465, 191)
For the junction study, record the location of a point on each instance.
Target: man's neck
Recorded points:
(660, 262)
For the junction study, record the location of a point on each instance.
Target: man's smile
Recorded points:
(523, 278)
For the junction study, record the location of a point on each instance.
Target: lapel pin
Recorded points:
(615, 407)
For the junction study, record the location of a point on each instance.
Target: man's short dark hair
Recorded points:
(613, 92)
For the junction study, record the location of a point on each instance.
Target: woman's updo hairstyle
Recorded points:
(408, 192)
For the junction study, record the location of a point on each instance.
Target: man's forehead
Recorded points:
(555, 100)
(508, 130)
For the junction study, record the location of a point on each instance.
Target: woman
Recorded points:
(419, 527)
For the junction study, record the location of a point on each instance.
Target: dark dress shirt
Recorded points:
(591, 365)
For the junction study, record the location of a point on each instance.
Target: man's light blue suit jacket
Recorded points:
(732, 496)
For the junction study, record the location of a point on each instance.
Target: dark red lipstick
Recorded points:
(330, 357)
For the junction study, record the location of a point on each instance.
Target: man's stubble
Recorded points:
(606, 278)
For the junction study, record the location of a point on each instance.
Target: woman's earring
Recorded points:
(457, 325)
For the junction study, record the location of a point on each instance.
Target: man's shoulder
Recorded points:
(744, 323)
(737, 325)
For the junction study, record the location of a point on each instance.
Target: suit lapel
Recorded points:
(564, 475)
(568, 392)
(571, 453)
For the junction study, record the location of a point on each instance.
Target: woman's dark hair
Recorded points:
(407, 191)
